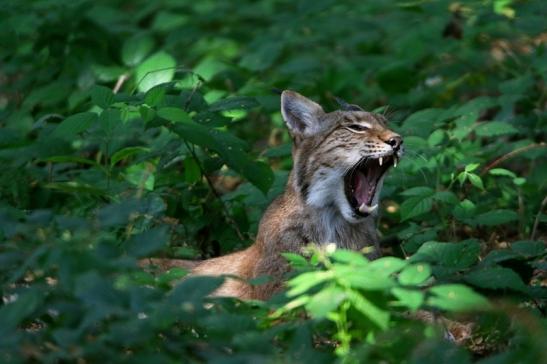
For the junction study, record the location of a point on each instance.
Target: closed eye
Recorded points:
(357, 127)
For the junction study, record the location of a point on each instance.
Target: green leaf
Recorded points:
(156, 69)
(228, 147)
(194, 289)
(102, 96)
(475, 180)
(141, 175)
(362, 278)
(494, 277)
(436, 138)
(456, 297)
(13, 313)
(529, 248)
(349, 257)
(496, 217)
(148, 242)
(471, 167)
(192, 172)
(464, 125)
(303, 282)
(125, 153)
(295, 260)
(415, 206)
(412, 299)
(414, 274)
(502, 172)
(232, 103)
(418, 191)
(74, 124)
(455, 255)
(372, 312)
(387, 265)
(494, 128)
(174, 114)
(464, 210)
(155, 95)
(325, 301)
(136, 48)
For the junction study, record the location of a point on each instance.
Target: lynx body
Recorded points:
(332, 194)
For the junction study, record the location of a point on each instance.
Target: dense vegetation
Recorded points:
(139, 128)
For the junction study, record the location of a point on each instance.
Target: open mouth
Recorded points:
(361, 182)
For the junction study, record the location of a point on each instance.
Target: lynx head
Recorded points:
(341, 157)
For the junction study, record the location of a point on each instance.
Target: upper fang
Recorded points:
(394, 161)
(380, 160)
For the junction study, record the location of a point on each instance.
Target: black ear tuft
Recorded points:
(347, 107)
(300, 114)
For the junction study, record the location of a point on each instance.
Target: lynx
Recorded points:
(332, 194)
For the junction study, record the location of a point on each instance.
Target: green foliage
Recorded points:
(132, 129)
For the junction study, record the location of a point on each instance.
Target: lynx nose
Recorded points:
(395, 142)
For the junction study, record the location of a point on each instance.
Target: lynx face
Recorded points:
(340, 158)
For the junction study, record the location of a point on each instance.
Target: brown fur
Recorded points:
(310, 209)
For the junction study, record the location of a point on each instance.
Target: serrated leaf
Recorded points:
(156, 69)
(494, 277)
(304, 281)
(453, 255)
(495, 128)
(229, 148)
(325, 301)
(349, 257)
(414, 274)
(412, 299)
(415, 206)
(372, 312)
(456, 297)
(387, 265)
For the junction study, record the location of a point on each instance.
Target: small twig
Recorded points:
(509, 155)
(119, 83)
(536, 221)
(227, 214)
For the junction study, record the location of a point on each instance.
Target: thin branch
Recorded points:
(217, 195)
(119, 83)
(536, 221)
(510, 155)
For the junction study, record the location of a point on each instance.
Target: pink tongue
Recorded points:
(363, 189)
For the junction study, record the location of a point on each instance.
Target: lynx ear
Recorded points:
(301, 114)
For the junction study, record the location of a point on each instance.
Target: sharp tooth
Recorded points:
(367, 209)
(380, 160)
(394, 161)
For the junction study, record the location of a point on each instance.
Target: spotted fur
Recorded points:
(314, 207)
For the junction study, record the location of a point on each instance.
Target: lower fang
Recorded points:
(367, 209)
